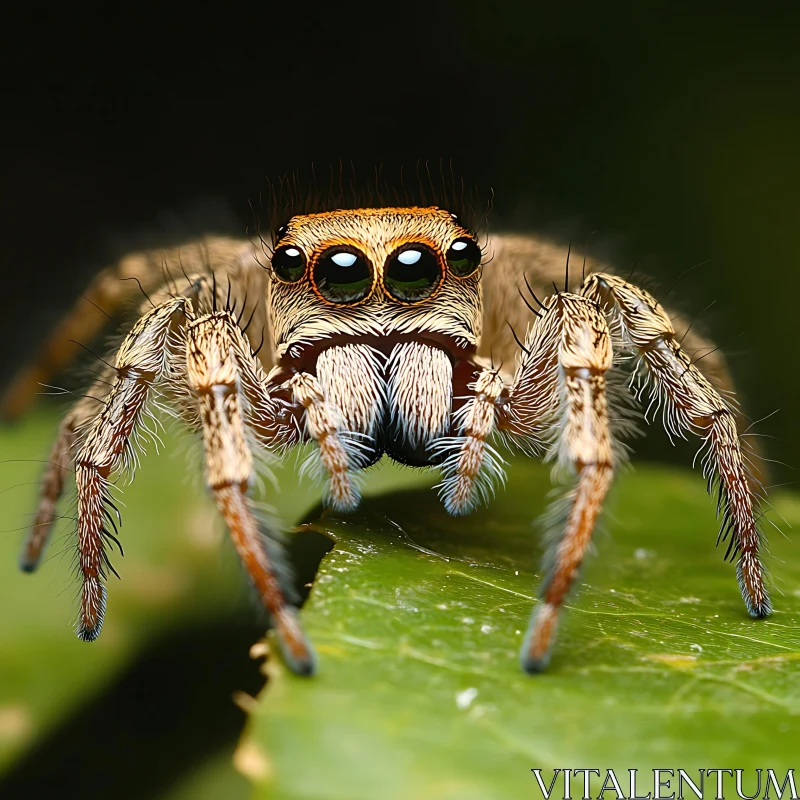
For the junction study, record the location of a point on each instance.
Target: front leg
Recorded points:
(228, 385)
(470, 466)
(341, 408)
(559, 397)
(325, 424)
(558, 400)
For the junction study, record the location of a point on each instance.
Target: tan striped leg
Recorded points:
(586, 503)
(691, 404)
(325, 424)
(217, 370)
(559, 394)
(471, 467)
(55, 473)
(231, 260)
(64, 447)
(141, 362)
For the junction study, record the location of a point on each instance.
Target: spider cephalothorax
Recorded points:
(376, 328)
(391, 298)
(375, 272)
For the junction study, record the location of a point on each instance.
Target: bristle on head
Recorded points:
(341, 187)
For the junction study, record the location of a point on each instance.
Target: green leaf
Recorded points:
(179, 571)
(418, 617)
(419, 692)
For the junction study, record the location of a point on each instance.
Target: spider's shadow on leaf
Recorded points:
(499, 534)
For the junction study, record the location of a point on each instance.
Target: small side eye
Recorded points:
(288, 263)
(412, 273)
(343, 275)
(463, 257)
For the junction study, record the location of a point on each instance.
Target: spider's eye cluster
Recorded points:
(342, 274)
(289, 263)
(413, 272)
(463, 257)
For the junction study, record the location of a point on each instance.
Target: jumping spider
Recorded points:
(377, 331)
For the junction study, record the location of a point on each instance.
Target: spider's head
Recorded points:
(376, 273)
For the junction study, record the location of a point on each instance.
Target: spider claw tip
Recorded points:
(295, 648)
(86, 634)
(532, 665)
(27, 565)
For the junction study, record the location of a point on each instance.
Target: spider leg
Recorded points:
(69, 438)
(55, 473)
(225, 377)
(691, 404)
(525, 267)
(109, 293)
(470, 466)
(141, 362)
(326, 425)
(559, 397)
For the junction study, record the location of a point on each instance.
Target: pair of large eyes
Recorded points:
(343, 274)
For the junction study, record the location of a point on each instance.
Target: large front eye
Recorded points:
(412, 273)
(463, 257)
(288, 263)
(343, 274)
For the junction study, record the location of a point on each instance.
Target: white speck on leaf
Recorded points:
(464, 699)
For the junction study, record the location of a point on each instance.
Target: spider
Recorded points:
(385, 331)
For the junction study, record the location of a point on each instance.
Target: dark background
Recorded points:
(672, 133)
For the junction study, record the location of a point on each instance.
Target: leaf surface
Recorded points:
(417, 618)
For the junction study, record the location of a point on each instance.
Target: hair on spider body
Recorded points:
(375, 328)
(341, 187)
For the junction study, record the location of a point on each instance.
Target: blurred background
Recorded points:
(669, 131)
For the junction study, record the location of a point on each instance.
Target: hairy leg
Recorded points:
(98, 443)
(73, 428)
(691, 404)
(520, 259)
(55, 472)
(234, 263)
(470, 466)
(141, 362)
(217, 358)
(338, 453)
(559, 396)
